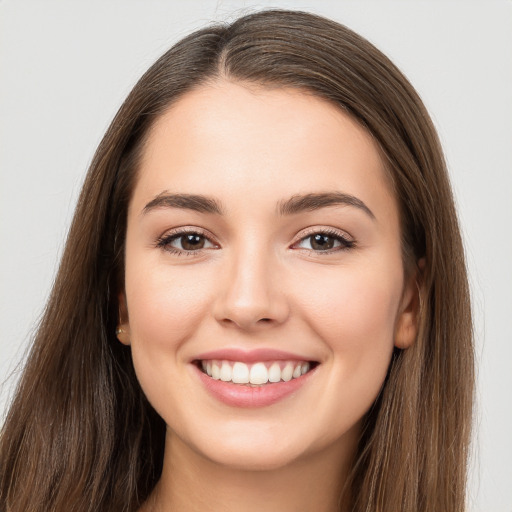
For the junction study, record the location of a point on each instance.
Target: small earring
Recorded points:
(119, 330)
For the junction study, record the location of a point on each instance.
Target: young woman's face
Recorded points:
(263, 247)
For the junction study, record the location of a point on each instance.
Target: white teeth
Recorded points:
(274, 373)
(215, 371)
(259, 374)
(240, 373)
(256, 374)
(287, 372)
(225, 371)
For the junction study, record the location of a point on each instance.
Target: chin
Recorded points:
(246, 447)
(253, 458)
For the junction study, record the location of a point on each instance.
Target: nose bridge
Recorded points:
(250, 295)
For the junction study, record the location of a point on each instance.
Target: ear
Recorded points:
(406, 328)
(123, 327)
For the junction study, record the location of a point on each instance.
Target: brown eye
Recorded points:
(185, 242)
(320, 242)
(325, 242)
(190, 242)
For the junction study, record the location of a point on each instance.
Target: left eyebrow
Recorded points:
(310, 202)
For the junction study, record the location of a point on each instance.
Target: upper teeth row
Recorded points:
(258, 373)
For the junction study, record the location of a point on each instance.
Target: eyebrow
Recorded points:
(296, 204)
(311, 202)
(198, 203)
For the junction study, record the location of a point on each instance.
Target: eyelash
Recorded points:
(345, 242)
(164, 241)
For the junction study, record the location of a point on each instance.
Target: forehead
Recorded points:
(232, 137)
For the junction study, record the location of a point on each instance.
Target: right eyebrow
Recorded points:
(310, 202)
(198, 203)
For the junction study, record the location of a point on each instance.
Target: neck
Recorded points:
(192, 483)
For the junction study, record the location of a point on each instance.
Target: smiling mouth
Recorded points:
(255, 374)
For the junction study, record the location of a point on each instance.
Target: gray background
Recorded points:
(65, 67)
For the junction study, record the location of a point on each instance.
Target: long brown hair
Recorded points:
(81, 436)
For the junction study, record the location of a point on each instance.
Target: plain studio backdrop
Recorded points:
(65, 68)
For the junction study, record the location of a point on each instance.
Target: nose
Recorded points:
(250, 296)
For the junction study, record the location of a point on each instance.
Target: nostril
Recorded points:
(241, 323)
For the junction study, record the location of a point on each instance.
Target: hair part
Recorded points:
(80, 435)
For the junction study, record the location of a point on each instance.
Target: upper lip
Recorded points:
(250, 356)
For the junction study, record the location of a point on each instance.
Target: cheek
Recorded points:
(164, 309)
(354, 314)
(159, 307)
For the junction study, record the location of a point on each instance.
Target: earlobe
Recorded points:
(406, 329)
(123, 327)
(123, 335)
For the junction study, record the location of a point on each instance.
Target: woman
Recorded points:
(262, 301)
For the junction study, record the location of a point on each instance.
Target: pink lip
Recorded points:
(252, 356)
(239, 395)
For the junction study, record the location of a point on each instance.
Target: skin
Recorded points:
(258, 282)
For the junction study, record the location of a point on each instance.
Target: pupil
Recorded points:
(322, 242)
(191, 242)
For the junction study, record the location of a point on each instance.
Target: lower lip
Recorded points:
(239, 395)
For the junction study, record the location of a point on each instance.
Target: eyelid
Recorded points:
(328, 230)
(174, 233)
(346, 239)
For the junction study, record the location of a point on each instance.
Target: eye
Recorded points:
(324, 241)
(185, 242)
